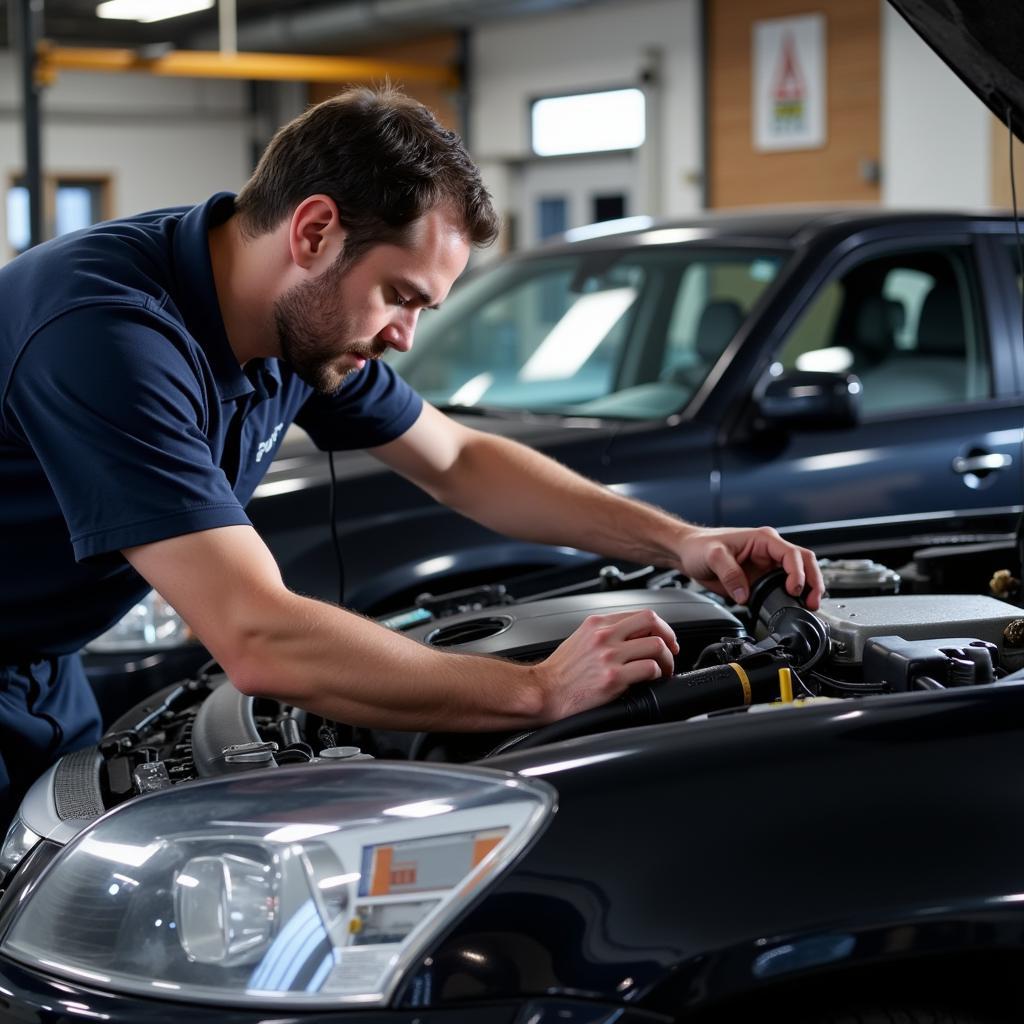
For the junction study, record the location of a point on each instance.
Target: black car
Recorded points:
(815, 819)
(816, 815)
(853, 378)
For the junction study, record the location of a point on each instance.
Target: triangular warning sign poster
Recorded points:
(789, 94)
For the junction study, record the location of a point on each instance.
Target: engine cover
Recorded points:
(533, 630)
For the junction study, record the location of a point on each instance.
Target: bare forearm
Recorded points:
(517, 491)
(350, 669)
(273, 643)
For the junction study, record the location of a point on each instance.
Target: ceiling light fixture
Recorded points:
(150, 10)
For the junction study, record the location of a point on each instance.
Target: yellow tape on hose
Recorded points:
(744, 681)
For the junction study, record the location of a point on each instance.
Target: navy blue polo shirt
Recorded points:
(125, 418)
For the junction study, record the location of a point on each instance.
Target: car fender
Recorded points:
(707, 882)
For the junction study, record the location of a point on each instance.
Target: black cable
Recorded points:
(1020, 285)
(332, 514)
(861, 689)
(1013, 194)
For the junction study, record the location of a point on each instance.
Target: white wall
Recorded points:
(163, 141)
(607, 45)
(936, 145)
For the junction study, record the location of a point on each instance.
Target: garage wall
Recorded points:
(168, 141)
(163, 141)
(607, 45)
(438, 51)
(936, 141)
(839, 170)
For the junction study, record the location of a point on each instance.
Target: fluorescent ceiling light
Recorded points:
(150, 10)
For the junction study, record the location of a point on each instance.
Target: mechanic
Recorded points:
(148, 368)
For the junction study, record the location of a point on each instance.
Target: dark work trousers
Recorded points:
(47, 709)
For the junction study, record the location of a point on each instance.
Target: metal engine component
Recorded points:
(853, 577)
(898, 665)
(344, 754)
(853, 621)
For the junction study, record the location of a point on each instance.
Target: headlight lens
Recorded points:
(309, 886)
(152, 625)
(17, 845)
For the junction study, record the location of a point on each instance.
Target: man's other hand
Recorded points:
(727, 560)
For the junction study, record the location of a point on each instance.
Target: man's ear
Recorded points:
(315, 234)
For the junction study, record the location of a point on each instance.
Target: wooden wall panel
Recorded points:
(440, 49)
(743, 176)
(1001, 193)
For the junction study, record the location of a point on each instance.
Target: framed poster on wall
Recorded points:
(789, 65)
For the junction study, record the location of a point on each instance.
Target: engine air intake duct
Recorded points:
(668, 700)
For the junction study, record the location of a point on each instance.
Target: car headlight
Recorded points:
(151, 625)
(18, 843)
(311, 886)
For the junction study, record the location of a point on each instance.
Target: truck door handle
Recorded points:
(981, 463)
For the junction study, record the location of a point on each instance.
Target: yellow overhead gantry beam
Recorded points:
(294, 67)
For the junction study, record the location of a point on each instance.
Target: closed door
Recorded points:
(938, 447)
(559, 194)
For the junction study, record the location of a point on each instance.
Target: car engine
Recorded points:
(877, 632)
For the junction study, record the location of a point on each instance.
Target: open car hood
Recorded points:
(981, 41)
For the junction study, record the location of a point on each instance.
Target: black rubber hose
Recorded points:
(671, 699)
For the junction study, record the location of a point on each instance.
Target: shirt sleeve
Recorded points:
(372, 407)
(113, 404)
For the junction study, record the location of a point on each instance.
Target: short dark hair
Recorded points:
(382, 157)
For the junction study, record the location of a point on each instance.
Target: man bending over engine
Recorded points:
(144, 361)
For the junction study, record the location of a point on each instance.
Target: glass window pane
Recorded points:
(589, 122)
(611, 207)
(18, 230)
(713, 298)
(908, 325)
(552, 216)
(75, 208)
(598, 333)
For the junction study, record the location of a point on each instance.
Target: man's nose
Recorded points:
(399, 333)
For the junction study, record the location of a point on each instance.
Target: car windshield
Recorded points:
(626, 333)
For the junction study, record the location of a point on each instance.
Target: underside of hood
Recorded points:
(983, 42)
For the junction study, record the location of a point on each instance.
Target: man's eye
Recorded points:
(400, 300)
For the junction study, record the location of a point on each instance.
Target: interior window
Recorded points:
(908, 325)
(69, 203)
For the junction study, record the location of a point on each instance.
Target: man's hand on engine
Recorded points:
(728, 560)
(604, 657)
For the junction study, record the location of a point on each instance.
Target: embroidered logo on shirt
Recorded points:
(266, 446)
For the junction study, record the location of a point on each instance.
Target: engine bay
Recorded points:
(878, 631)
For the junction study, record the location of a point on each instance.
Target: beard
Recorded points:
(313, 332)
